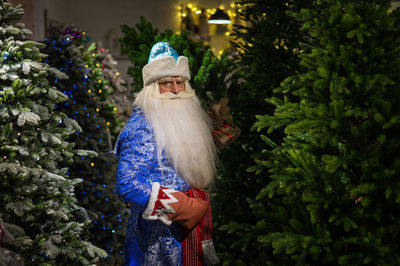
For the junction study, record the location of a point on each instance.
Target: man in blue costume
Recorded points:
(165, 150)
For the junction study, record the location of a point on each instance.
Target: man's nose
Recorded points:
(174, 88)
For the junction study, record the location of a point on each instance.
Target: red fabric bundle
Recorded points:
(192, 245)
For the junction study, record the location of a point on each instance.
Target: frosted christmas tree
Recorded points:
(37, 195)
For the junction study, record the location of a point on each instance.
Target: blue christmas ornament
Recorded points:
(5, 56)
(162, 49)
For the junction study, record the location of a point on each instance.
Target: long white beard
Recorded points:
(181, 128)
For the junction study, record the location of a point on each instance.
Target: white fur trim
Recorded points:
(164, 218)
(165, 67)
(152, 201)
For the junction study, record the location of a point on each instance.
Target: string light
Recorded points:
(209, 11)
(99, 83)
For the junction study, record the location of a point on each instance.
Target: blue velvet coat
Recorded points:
(147, 242)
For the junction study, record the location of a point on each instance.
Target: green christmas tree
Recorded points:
(37, 194)
(209, 75)
(103, 89)
(267, 54)
(71, 51)
(335, 174)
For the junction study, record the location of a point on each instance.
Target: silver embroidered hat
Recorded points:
(164, 61)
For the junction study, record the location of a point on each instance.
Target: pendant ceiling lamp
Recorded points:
(219, 17)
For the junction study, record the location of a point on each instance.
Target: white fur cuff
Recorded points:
(158, 205)
(152, 202)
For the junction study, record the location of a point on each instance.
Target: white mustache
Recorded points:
(170, 95)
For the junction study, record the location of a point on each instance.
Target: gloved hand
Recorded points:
(169, 205)
(187, 211)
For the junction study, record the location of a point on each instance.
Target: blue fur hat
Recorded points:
(162, 49)
(164, 61)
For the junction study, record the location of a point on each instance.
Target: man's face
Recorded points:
(171, 84)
